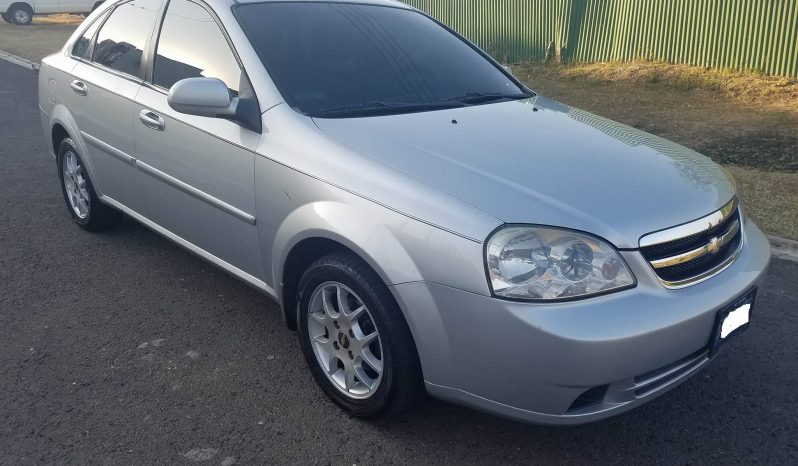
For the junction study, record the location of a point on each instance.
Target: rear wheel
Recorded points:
(20, 14)
(355, 339)
(82, 201)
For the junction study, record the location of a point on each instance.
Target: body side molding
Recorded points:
(170, 180)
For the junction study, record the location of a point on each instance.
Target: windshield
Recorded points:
(347, 60)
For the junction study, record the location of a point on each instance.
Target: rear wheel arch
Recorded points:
(58, 133)
(62, 124)
(82, 202)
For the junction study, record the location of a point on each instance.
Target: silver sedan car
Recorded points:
(427, 223)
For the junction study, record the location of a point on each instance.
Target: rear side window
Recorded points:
(82, 47)
(120, 42)
(191, 45)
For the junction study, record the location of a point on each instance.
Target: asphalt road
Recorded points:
(122, 348)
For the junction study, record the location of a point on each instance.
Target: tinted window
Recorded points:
(191, 45)
(332, 55)
(82, 46)
(121, 40)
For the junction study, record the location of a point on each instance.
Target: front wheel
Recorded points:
(82, 201)
(355, 339)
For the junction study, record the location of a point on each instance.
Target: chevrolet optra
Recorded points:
(426, 221)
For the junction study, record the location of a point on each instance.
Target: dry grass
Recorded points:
(746, 87)
(65, 19)
(771, 199)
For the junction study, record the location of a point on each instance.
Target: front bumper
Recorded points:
(573, 362)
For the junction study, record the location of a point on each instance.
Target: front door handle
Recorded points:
(79, 87)
(152, 120)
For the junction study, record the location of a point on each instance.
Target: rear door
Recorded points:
(106, 80)
(198, 172)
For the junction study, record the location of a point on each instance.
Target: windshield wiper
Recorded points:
(382, 108)
(472, 98)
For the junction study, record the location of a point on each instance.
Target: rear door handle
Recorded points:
(79, 87)
(152, 120)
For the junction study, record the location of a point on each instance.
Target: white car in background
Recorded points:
(21, 12)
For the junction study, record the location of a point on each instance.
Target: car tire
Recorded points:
(399, 384)
(78, 191)
(20, 14)
(6, 18)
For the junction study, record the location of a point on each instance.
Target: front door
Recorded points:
(198, 172)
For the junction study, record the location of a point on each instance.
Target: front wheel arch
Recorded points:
(301, 256)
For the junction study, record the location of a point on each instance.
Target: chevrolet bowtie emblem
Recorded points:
(714, 246)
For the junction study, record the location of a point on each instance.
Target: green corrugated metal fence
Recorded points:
(740, 34)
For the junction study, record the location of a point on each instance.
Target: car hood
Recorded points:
(541, 162)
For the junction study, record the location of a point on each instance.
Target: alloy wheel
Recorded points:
(75, 184)
(345, 340)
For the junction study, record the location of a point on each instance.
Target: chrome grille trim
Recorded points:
(699, 250)
(706, 275)
(689, 229)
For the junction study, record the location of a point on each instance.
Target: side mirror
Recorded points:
(208, 97)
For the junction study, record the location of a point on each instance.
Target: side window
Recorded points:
(191, 45)
(120, 43)
(81, 49)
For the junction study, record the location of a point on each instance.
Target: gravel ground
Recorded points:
(46, 35)
(121, 348)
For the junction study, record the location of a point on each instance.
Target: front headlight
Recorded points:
(538, 263)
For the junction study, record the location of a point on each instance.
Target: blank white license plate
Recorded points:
(736, 319)
(732, 320)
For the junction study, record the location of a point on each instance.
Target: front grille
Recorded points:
(672, 248)
(688, 259)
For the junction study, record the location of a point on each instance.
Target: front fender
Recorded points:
(402, 251)
(343, 223)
